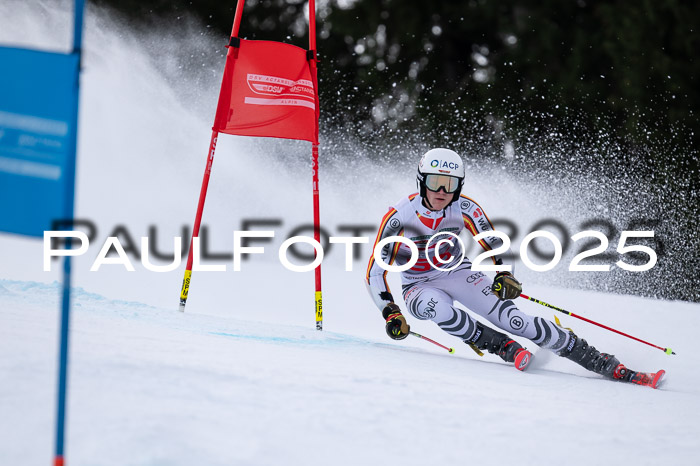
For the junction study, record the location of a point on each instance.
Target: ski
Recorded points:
(647, 379)
(522, 359)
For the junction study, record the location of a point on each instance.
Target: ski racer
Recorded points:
(443, 275)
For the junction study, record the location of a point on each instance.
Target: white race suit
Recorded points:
(430, 292)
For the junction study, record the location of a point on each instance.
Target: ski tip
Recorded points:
(522, 359)
(658, 377)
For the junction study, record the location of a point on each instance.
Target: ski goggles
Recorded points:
(449, 183)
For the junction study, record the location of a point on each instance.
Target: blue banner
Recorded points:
(38, 115)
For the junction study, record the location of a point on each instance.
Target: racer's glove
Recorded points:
(396, 326)
(505, 286)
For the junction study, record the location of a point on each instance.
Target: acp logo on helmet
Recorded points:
(450, 165)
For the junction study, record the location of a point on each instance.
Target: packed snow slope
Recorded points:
(153, 386)
(242, 377)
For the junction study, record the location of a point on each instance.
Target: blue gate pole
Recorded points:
(70, 201)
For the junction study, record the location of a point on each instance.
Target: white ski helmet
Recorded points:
(441, 169)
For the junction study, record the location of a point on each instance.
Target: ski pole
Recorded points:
(665, 350)
(449, 350)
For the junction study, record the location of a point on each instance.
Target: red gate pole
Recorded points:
(198, 220)
(318, 297)
(205, 180)
(313, 60)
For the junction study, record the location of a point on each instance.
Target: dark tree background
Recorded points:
(625, 69)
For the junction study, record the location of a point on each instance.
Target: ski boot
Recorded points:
(607, 365)
(501, 344)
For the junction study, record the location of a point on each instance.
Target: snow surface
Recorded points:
(151, 386)
(242, 377)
